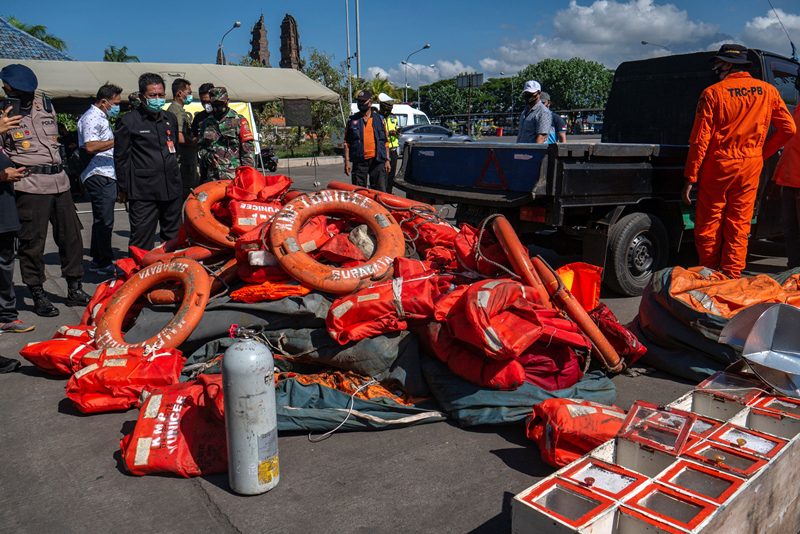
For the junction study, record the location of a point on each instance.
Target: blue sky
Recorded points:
(483, 36)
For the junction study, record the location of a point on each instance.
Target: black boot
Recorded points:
(41, 304)
(76, 296)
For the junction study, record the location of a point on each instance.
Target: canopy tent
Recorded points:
(81, 79)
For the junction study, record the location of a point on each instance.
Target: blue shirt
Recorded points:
(533, 122)
(559, 125)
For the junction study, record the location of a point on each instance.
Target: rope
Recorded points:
(479, 255)
(350, 404)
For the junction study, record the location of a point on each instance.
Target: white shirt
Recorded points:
(94, 126)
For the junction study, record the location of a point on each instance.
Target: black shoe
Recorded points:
(41, 304)
(7, 365)
(76, 296)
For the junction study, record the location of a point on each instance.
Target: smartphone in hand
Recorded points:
(14, 103)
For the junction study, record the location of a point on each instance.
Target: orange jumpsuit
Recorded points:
(727, 149)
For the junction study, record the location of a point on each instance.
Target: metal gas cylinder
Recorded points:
(251, 425)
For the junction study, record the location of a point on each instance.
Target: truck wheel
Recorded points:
(637, 247)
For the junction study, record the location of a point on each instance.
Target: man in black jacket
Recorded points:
(146, 164)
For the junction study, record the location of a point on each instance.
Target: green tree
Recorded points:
(444, 98)
(573, 83)
(119, 55)
(325, 117)
(39, 32)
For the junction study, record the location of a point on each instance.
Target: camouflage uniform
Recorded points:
(225, 143)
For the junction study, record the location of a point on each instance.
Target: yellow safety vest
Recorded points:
(392, 124)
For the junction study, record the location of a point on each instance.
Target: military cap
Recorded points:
(218, 94)
(19, 77)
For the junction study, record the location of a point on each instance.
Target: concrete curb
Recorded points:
(304, 162)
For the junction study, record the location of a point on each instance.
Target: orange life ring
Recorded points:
(199, 217)
(196, 284)
(220, 280)
(169, 250)
(284, 243)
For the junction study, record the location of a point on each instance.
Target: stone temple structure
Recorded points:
(290, 44)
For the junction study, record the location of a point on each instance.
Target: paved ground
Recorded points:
(59, 471)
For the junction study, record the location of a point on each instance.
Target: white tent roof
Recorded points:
(80, 79)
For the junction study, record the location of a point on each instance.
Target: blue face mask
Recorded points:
(155, 104)
(187, 99)
(113, 111)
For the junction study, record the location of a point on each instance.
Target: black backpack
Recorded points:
(77, 162)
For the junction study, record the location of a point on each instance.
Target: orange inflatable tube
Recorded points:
(224, 277)
(285, 244)
(196, 291)
(518, 257)
(603, 350)
(537, 274)
(198, 215)
(169, 250)
(385, 199)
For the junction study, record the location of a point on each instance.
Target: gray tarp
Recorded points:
(81, 79)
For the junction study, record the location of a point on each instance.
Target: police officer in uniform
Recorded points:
(146, 164)
(226, 142)
(43, 195)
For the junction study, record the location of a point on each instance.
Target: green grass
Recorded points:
(306, 149)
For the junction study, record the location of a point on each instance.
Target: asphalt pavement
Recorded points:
(60, 471)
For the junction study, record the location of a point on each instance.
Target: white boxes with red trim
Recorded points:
(722, 458)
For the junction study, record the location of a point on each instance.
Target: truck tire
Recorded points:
(638, 246)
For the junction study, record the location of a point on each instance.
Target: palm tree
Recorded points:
(39, 32)
(382, 85)
(119, 55)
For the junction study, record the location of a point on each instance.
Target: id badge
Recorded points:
(170, 146)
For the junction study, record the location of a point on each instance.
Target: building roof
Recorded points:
(16, 44)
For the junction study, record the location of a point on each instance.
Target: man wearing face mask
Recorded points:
(536, 119)
(146, 164)
(366, 145)
(43, 195)
(187, 151)
(727, 149)
(226, 141)
(197, 124)
(99, 180)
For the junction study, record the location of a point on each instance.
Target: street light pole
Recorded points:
(349, 74)
(221, 52)
(668, 49)
(405, 70)
(358, 41)
(415, 69)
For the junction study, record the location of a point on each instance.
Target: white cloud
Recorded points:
(419, 74)
(377, 72)
(766, 32)
(611, 31)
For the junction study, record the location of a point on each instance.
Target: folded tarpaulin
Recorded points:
(392, 359)
(315, 407)
(470, 405)
(683, 311)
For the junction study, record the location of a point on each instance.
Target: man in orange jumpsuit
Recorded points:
(727, 149)
(787, 175)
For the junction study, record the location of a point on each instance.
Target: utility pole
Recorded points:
(358, 42)
(349, 73)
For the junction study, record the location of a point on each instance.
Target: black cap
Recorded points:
(364, 95)
(733, 53)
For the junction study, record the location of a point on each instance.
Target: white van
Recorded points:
(405, 114)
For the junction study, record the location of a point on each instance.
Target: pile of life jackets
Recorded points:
(389, 264)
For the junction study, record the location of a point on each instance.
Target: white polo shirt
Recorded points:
(94, 126)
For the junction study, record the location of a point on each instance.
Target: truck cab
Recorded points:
(616, 203)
